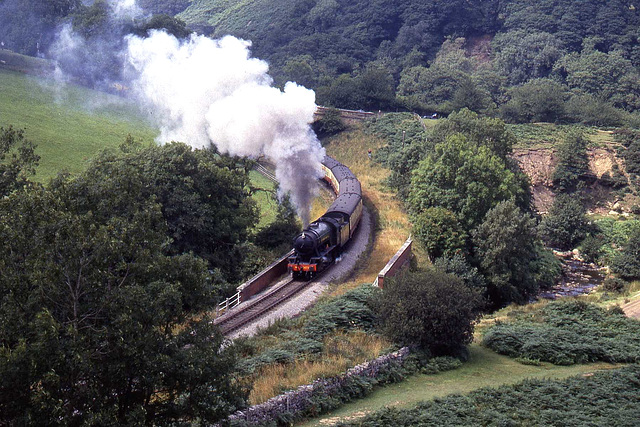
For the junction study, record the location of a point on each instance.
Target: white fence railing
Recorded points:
(229, 303)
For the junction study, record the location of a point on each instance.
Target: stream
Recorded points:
(578, 278)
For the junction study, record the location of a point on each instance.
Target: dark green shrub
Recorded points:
(614, 284)
(568, 332)
(429, 309)
(441, 364)
(605, 398)
(350, 311)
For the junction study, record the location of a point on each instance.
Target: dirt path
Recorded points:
(632, 309)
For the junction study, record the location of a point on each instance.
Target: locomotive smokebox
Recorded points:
(305, 243)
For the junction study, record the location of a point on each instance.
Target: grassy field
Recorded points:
(484, 369)
(69, 125)
(545, 135)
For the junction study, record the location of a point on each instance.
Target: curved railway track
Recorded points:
(260, 305)
(315, 249)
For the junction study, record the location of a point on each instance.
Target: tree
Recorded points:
(626, 263)
(342, 92)
(566, 224)
(377, 88)
(538, 100)
(204, 197)
(171, 25)
(572, 170)
(279, 234)
(97, 318)
(479, 131)
(591, 110)
(18, 160)
(465, 179)
(471, 96)
(505, 248)
(429, 309)
(608, 76)
(439, 232)
(522, 55)
(458, 265)
(330, 123)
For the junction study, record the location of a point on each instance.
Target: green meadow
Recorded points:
(71, 124)
(68, 124)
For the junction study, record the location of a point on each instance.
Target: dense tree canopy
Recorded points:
(18, 160)
(435, 56)
(96, 314)
(203, 197)
(465, 179)
(470, 204)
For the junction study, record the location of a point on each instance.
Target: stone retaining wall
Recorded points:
(399, 260)
(300, 400)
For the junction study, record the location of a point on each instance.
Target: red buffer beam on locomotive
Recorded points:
(318, 245)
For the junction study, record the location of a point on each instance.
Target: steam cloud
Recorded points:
(123, 9)
(205, 91)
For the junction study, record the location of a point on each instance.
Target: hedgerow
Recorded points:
(568, 332)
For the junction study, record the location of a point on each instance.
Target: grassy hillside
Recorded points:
(69, 125)
(484, 369)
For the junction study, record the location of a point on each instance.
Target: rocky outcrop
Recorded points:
(540, 162)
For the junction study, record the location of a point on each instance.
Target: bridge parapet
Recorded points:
(349, 116)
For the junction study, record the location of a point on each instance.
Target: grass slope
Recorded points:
(69, 125)
(484, 369)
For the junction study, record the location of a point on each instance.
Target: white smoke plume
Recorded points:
(205, 91)
(123, 9)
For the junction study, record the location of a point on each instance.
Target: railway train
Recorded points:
(319, 244)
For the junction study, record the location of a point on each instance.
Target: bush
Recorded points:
(606, 398)
(614, 284)
(349, 311)
(429, 309)
(568, 332)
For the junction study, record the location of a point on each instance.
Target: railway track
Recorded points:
(260, 305)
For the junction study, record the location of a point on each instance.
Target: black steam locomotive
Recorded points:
(318, 245)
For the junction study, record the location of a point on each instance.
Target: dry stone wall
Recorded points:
(301, 400)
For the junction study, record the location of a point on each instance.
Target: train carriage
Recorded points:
(318, 245)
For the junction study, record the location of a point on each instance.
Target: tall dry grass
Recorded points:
(393, 227)
(341, 352)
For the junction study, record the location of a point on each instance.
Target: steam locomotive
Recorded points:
(318, 245)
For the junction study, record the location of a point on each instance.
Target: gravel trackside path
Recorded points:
(305, 298)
